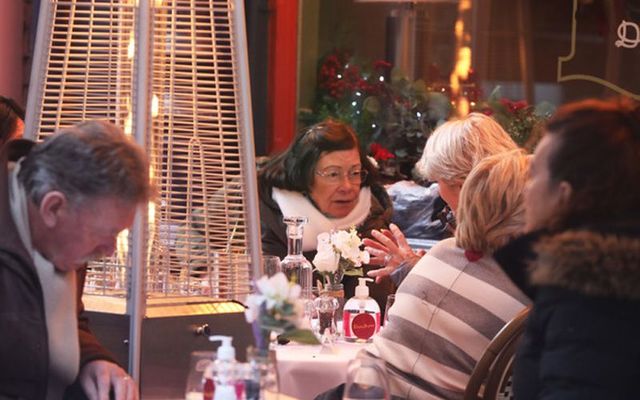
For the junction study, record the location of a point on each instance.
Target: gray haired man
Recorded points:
(61, 205)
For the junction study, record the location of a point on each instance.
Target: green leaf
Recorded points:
(303, 336)
(354, 272)
(496, 94)
(544, 109)
(371, 104)
(401, 153)
(419, 86)
(397, 75)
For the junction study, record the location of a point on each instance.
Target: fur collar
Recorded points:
(593, 263)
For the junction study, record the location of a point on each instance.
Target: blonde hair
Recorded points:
(455, 147)
(491, 208)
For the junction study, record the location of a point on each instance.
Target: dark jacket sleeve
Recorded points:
(90, 347)
(272, 228)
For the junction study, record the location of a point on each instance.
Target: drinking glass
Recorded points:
(271, 265)
(390, 300)
(366, 379)
(200, 360)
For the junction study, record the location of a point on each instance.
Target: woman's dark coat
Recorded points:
(582, 339)
(274, 236)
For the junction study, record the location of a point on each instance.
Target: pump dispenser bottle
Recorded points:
(224, 369)
(361, 318)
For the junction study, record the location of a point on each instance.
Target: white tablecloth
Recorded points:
(306, 371)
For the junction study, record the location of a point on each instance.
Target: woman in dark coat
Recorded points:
(324, 176)
(581, 257)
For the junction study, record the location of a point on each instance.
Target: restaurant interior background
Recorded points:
(512, 45)
(396, 69)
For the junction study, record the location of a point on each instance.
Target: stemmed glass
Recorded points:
(271, 265)
(200, 360)
(366, 379)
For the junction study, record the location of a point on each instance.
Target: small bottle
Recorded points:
(224, 369)
(295, 265)
(361, 318)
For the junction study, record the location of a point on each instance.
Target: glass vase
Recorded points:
(336, 290)
(297, 268)
(263, 374)
(325, 305)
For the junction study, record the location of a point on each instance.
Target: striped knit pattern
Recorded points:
(446, 312)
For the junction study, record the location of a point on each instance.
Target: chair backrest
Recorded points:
(495, 366)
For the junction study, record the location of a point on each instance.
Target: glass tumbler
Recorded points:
(271, 265)
(200, 360)
(366, 379)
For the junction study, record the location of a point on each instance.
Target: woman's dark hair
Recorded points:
(294, 168)
(10, 113)
(598, 153)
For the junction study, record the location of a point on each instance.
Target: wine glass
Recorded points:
(271, 265)
(366, 379)
(200, 360)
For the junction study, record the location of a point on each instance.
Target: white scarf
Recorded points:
(296, 204)
(59, 294)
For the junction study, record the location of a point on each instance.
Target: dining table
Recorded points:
(305, 371)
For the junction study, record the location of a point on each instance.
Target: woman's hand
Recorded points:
(389, 249)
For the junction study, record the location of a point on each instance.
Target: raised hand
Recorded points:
(389, 248)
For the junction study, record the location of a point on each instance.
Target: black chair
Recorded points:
(495, 366)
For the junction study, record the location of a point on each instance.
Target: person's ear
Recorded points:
(565, 191)
(52, 206)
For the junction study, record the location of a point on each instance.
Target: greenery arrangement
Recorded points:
(382, 105)
(393, 115)
(521, 120)
(277, 307)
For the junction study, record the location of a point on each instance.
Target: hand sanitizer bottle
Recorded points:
(361, 317)
(224, 369)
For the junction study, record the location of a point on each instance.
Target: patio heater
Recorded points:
(174, 74)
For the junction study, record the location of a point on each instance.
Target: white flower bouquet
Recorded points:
(339, 254)
(277, 307)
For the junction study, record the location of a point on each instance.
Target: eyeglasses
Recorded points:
(335, 175)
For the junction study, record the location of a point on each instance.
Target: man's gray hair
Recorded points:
(88, 160)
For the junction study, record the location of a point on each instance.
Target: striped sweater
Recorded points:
(446, 312)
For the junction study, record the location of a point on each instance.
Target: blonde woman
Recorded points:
(449, 156)
(456, 298)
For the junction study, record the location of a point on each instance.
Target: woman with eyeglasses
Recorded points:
(324, 176)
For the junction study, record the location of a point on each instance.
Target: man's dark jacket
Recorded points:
(24, 353)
